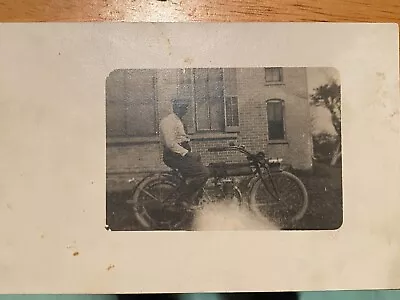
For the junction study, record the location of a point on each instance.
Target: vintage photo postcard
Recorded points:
(224, 148)
(188, 157)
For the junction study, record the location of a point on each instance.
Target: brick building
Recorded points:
(264, 108)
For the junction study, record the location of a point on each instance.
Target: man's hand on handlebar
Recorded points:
(227, 148)
(193, 155)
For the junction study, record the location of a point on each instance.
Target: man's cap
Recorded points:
(180, 102)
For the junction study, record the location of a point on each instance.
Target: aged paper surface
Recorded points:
(66, 153)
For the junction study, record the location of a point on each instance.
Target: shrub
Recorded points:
(324, 146)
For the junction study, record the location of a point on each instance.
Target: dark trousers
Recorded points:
(192, 169)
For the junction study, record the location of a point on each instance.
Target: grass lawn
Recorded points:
(324, 188)
(119, 213)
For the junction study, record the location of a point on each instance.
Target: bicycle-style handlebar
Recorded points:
(256, 159)
(229, 148)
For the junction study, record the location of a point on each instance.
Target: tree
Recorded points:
(329, 96)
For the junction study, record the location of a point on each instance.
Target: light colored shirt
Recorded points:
(173, 133)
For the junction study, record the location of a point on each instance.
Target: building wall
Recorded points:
(297, 148)
(140, 156)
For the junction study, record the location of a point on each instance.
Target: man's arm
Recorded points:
(168, 131)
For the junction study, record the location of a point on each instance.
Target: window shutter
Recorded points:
(140, 101)
(231, 101)
(189, 120)
(185, 90)
(115, 104)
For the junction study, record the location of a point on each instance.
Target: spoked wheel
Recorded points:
(156, 206)
(284, 201)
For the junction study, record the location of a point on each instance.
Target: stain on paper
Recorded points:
(168, 42)
(72, 247)
(188, 60)
(381, 75)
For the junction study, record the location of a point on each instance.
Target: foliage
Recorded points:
(329, 95)
(324, 146)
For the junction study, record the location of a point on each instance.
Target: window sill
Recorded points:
(277, 83)
(132, 140)
(115, 141)
(212, 136)
(278, 142)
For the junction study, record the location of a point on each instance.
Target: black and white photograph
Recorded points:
(223, 149)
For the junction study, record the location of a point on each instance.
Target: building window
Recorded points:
(209, 99)
(276, 120)
(213, 96)
(131, 104)
(273, 75)
(231, 113)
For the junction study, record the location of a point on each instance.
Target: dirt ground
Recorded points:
(324, 188)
